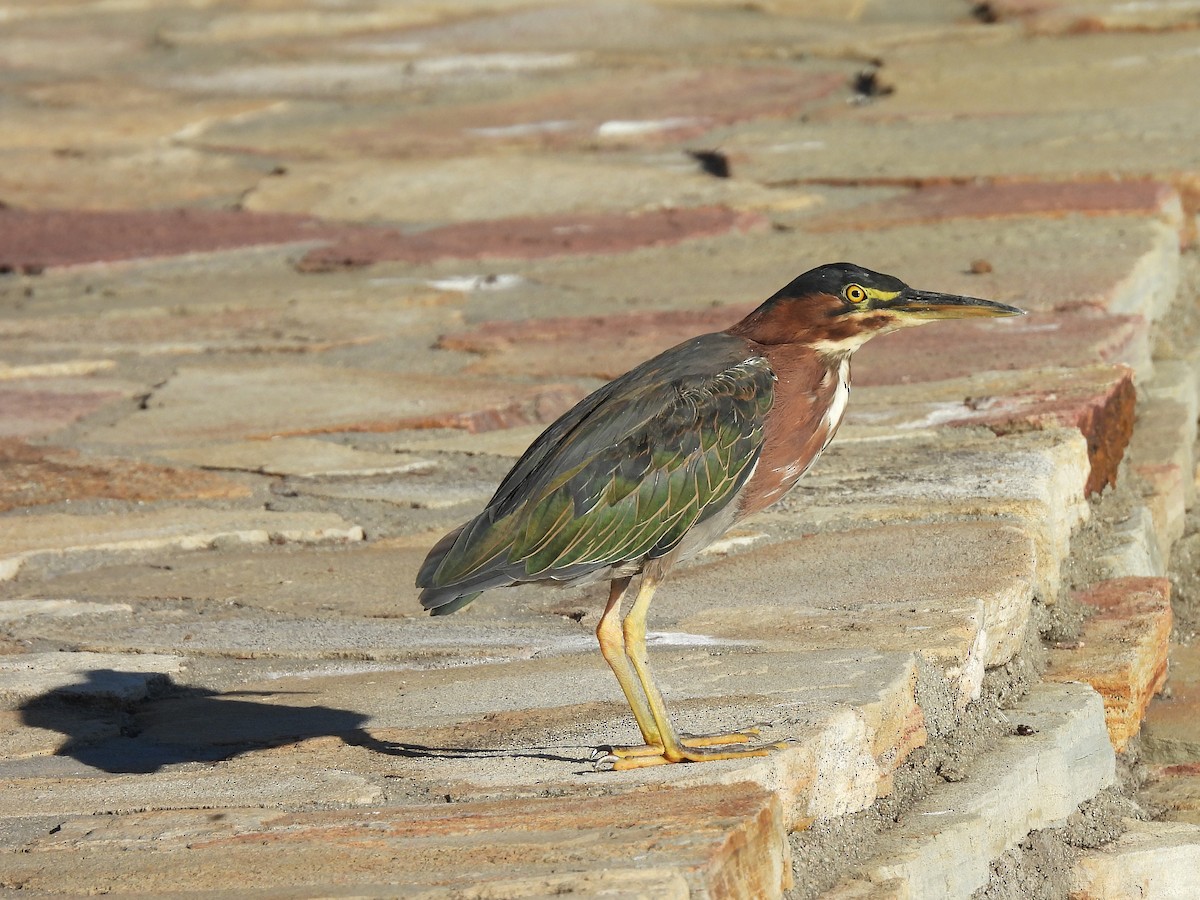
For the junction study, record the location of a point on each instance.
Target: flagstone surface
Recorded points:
(285, 290)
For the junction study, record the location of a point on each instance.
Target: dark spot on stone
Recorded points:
(867, 84)
(1024, 730)
(712, 162)
(986, 13)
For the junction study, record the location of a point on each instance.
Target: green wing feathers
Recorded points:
(620, 478)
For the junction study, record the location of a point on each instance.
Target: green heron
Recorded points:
(653, 467)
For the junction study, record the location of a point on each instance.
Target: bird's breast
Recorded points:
(810, 401)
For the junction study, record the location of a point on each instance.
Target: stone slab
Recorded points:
(366, 579)
(508, 442)
(1122, 651)
(258, 21)
(107, 677)
(1169, 734)
(472, 731)
(1097, 400)
(486, 187)
(54, 535)
(1151, 860)
(971, 147)
(34, 240)
(363, 76)
(409, 642)
(606, 107)
(1173, 792)
(1008, 76)
(720, 842)
(1164, 448)
(938, 202)
(235, 403)
(594, 25)
(1132, 548)
(1118, 265)
(63, 369)
(959, 594)
(16, 610)
(946, 843)
(37, 411)
(133, 319)
(444, 490)
(1080, 16)
(20, 739)
(1035, 479)
(37, 476)
(236, 784)
(1066, 340)
(301, 458)
(533, 237)
(77, 175)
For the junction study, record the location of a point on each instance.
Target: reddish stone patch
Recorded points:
(992, 200)
(1098, 401)
(37, 412)
(34, 476)
(1181, 769)
(1123, 654)
(32, 240)
(531, 237)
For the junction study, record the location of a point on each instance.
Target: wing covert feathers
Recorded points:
(621, 477)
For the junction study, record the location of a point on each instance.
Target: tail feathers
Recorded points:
(441, 600)
(445, 598)
(447, 607)
(437, 553)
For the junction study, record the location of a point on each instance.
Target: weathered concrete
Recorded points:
(1033, 780)
(1152, 860)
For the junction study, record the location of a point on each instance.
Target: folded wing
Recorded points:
(619, 479)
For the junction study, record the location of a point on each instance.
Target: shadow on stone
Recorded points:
(131, 723)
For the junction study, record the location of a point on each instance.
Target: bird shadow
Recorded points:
(124, 723)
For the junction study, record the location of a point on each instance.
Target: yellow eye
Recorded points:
(855, 294)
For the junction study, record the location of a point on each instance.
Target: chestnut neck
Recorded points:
(784, 321)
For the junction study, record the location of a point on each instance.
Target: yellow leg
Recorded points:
(673, 749)
(612, 645)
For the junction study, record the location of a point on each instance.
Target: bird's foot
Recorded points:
(743, 736)
(612, 762)
(692, 748)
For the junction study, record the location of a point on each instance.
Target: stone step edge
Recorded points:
(1058, 757)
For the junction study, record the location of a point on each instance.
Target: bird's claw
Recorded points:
(603, 762)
